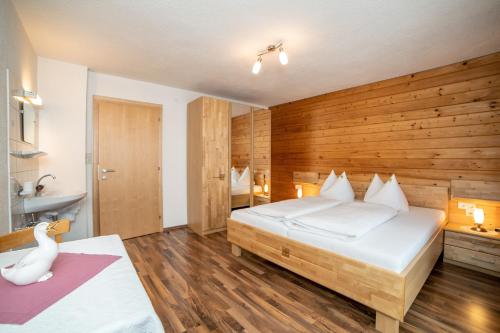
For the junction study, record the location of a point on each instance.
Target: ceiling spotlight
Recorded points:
(257, 66)
(283, 57)
(271, 48)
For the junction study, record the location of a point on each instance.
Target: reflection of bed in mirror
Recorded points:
(240, 195)
(240, 187)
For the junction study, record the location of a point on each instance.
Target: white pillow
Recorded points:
(391, 195)
(341, 190)
(329, 181)
(375, 186)
(235, 176)
(245, 177)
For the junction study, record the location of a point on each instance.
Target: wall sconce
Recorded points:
(478, 220)
(299, 191)
(266, 187)
(26, 96)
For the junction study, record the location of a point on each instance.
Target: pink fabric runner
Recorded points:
(18, 304)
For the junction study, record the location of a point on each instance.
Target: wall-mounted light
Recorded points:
(26, 96)
(298, 188)
(266, 187)
(478, 220)
(271, 48)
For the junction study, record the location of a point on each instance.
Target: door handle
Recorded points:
(108, 170)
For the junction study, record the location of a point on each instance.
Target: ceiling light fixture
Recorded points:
(271, 48)
(257, 66)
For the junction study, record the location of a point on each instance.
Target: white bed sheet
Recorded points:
(347, 221)
(244, 189)
(270, 224)
(391, 246)
(112, 301)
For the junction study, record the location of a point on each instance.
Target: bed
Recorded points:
(112, 301)
(388, 284)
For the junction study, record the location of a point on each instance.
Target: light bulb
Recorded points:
(256, 67)
(299, 191)
(266, 188)
(36, 100)
(283, 57)
(478, 216)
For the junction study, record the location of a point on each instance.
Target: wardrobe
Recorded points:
(212, 149)
(208, 159)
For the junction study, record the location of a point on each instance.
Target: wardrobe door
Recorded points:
(215, 161)
(195, 171)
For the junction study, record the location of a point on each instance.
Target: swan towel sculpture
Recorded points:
(35, 266)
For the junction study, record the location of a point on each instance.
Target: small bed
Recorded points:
(112, 301)
(384, 269)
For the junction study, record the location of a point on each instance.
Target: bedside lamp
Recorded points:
(299, 191)
(478, 220)
(266, 187)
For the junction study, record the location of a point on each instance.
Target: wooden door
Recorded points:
(127, 167)
(216, 117)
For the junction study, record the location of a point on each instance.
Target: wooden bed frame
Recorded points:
(390, 294)
(240, 200)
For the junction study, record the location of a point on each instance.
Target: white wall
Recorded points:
(174, 103)
(17, 70)
(62, 131)
(66, 134)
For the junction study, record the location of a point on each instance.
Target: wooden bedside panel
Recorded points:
(480, 244)
(479, 259)
(260, 200)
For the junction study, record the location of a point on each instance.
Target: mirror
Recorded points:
(28, 120)
(262, 156)
(241, 156)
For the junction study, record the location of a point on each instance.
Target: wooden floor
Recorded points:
(196, 285)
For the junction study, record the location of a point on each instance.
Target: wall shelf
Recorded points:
(28, 154)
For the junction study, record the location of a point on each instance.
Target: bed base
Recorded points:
(389, 294)
(240, 200)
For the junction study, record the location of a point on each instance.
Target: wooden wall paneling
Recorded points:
(241, 143)
(262, 146)
(439, 124)
(475, 189)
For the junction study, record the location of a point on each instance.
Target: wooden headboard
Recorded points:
(419, 192)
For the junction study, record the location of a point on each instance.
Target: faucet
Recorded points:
(39, 188)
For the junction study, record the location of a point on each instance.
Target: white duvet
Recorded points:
(289, 209)
(346, 221)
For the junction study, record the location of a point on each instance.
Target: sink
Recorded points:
(51, 202)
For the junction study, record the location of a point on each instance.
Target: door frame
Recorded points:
(95, 159)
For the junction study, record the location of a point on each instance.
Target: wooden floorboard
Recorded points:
(197, 285)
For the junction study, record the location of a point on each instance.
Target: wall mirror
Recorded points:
(241, 156)
(261, 155)
(28, 120)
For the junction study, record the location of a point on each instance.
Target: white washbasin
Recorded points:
(51, 202)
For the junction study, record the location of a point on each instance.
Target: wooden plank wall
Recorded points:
(441, 123)
(262, 145)
(241, 146)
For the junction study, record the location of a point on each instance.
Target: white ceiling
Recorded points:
(210, 46)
